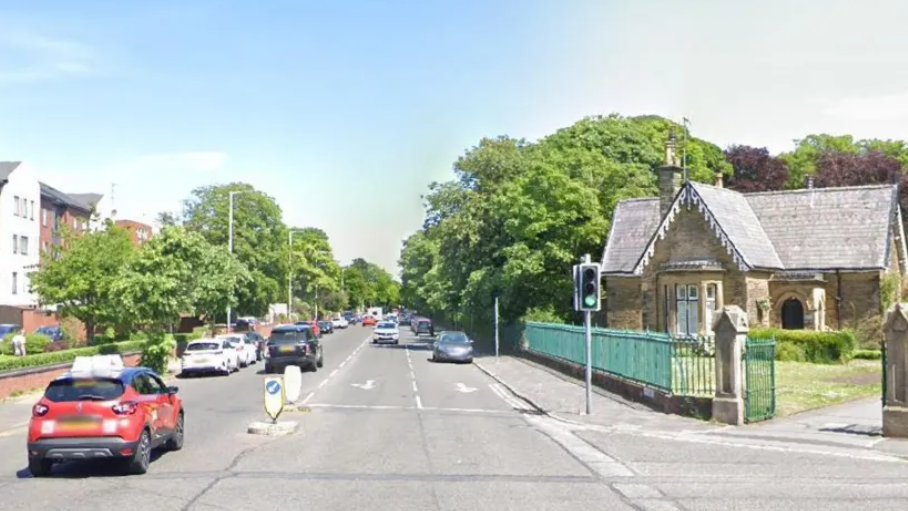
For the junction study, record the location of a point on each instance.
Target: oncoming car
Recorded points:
(386, 332)
(102, 410)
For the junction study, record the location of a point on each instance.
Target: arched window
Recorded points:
(793, 314)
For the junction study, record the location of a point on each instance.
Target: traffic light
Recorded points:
(589, 288)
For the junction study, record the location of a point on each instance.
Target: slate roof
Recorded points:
(64, 199)
(88, 199)
(820, 229)
(7, 168)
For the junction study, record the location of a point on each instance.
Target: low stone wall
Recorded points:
(659, 400)
(24, 380)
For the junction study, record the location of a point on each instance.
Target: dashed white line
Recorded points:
(334, 372)
(413, 380)
(415, 388)
(308, 397)
(418, 403)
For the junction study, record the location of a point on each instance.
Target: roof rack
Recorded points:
(97, 365)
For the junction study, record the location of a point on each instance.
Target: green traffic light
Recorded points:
(590, 301)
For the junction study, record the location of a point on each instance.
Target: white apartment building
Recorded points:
(20, 232)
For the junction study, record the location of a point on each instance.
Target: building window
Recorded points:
(15, 283)
(23, 244)
(15, 243)
(687, 309)
(709, 316)
(16, 200)
(31, 210)
(43, 217)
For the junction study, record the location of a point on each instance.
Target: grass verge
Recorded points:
(802, 386)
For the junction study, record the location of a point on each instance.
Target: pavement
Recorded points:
(389, 430)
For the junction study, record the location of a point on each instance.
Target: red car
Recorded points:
(120, 414)
(369, 320)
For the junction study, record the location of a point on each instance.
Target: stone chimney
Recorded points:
(718, 180)
(808, 182)
(669, 175)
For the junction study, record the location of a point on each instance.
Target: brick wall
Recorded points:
(39, 378)
(623, 302)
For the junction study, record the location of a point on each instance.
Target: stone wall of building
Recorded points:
(860, 298)
(623, 302)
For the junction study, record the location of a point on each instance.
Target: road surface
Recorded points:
(390, 430)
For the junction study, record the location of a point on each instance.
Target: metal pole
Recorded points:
(230, 249)
(289, 275)
(588, 326)
(496, 327)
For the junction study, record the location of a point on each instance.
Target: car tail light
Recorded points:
(40, 410)
(125, 408)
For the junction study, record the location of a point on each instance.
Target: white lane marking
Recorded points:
(322, 384)
(308, 397)
(369, 385)
(464, 389)
(418, 403)
(596, 460)
(364, 407)
(415, 388)
(334, 372)
(401, 407)
(507, 398)
(413, 379)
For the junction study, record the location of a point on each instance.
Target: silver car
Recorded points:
(452, 347)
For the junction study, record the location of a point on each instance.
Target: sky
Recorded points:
(345, 111)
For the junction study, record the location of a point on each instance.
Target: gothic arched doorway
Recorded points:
(792, 314)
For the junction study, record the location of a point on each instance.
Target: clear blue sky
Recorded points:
(344, 111)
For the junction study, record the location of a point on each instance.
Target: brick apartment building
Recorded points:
(139, 232)
(60, 209)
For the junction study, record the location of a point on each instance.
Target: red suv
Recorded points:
(119, 414)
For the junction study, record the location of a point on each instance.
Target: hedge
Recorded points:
(867, 354)
(34, 343)
(63, 357)
(818, 347)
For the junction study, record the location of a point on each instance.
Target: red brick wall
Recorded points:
(10, 384)
(134, 227)
(65, 218)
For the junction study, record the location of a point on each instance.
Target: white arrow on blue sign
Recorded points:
(273, 387)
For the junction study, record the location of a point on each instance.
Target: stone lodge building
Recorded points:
(799, 259)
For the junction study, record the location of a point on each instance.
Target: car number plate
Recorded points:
(78, 425)
(201, 360)
(286, 349)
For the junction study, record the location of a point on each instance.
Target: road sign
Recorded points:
(274, 396)
(293, 383)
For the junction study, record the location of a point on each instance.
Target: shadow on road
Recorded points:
(411, 347)
(88, 468)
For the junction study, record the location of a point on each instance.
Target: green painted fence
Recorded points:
(759, 359)
(680, 366)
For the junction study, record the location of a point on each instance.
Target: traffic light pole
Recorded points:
(588, 327)
(587, 299)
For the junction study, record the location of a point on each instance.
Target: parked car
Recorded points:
(313, 325)
(452, 347)
(258, 341)
(369, 320)
(245, 351)
(209, 356)
(293, 345)
(350, 317)
(425, 326)
(112, 413)
(386, 332)
(413, 322)
(326, 327)
(8, 328)
(53, 331)
(340, 322)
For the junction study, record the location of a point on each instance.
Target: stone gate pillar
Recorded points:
(731, 336)
(895, 401)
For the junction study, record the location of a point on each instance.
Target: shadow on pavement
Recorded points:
(88, 468)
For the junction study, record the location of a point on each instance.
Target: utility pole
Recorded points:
(290, 272)
(230, 247)
(496, 328)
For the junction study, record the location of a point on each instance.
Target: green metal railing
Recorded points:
(680, 366)
(760, 379)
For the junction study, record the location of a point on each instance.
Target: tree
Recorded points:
(870, 168)
(368, 284)
(802, 162)
(260, 238)
(218, 280)
(82, 281)
(167, 218)
(755, 170)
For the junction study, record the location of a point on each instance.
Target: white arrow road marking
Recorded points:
(463, 388)
(365, 386)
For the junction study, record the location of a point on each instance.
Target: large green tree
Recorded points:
(82, 278)
(369, 285)
(260, 238)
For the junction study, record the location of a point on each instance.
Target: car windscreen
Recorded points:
(454, 338)
(387, 326)
(204, 346)
(288, 336)
(84, 389)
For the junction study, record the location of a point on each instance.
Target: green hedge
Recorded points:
(830, 347)
(34, 344)
(62, 357)
(867, 354)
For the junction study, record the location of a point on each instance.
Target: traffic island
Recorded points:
(273, 428)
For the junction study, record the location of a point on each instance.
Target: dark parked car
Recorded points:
(293, 345)
(53, 331)
(452, 347)
(425, 326)
(8, 328)
(327, 327)
(258, 340)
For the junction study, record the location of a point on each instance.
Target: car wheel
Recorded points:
(314, 367)
(175, 442)
(40, 468)
(321, 360)
(138, 463)
(268, 369)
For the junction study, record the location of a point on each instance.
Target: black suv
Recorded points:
(293, 345)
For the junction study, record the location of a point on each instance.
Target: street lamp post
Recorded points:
(290, 271)
(230, 246)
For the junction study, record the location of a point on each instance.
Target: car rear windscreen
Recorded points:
(84, 389)
(288, 336)
(203, 346)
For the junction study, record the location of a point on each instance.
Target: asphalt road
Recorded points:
(390, 430)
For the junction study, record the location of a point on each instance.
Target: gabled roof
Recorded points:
(90, 200)
(7, 168)
(816, 229)
(77, 201)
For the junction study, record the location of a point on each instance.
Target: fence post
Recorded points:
(731, 335)
(895, 402)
